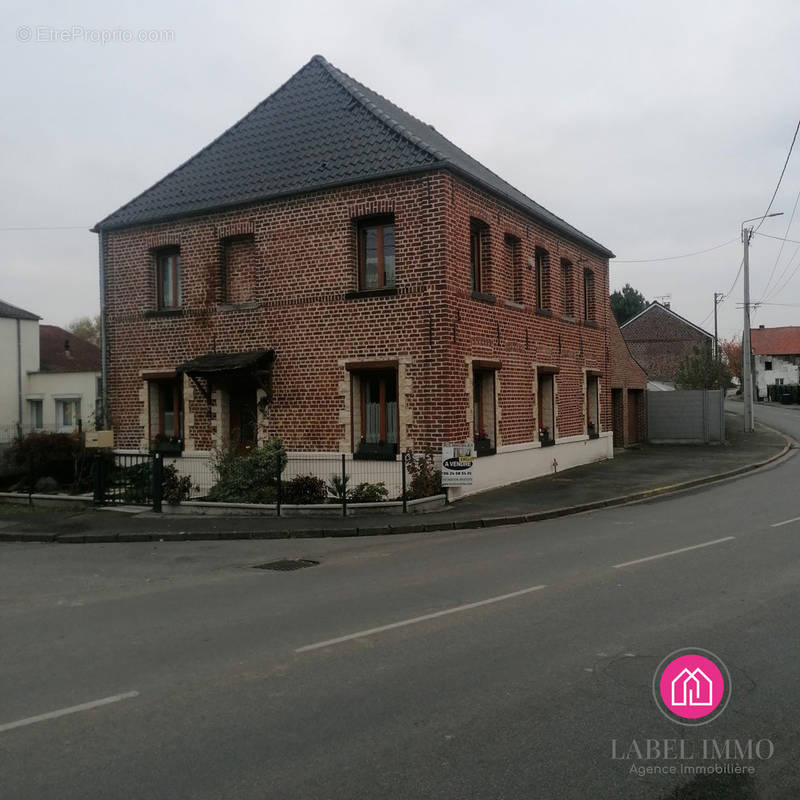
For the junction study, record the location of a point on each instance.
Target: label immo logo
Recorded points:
(692, 686)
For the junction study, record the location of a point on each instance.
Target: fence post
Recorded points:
(98, 479)
(158, 480)
(278, 485)
(344, 486)
(403, 481)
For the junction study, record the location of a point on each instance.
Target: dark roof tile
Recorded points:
(321, 128)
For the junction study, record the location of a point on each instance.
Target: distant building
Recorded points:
(776, 357)
(661, 340)
(51, 377)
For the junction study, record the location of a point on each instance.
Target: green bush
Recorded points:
(337, 488)
(305, 490)
(61, 456)
(369, 493)
(426, 480)
(176, 487)
(248, 477)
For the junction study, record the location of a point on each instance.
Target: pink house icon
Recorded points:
(692, 688)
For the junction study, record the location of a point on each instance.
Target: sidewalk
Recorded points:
(646, 471)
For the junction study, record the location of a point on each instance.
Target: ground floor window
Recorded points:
(592, 405)
(35, 414)
(546, 407)
(166, 414)
(483, 411)
(68, 414)
(375, 413)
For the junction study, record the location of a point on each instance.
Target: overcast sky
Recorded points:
(654, 127)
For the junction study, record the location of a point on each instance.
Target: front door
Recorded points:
(243, 417)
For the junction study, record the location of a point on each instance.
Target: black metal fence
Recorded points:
(321, 479)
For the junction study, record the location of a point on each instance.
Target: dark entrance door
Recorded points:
(243, 416)
(617, 418)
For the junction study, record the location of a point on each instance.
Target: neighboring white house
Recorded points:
(776, 357)
(50, 377)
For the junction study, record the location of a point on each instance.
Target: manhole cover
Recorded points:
(286, 564)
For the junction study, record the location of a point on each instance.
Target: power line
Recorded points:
(780, 238)
(780, 178)
(673, 258)
(783, 244)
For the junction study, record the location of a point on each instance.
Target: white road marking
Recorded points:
(415, 620)
(104, 701)
(673, 552)
(785, 522)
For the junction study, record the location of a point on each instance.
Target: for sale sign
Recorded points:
(457, 461)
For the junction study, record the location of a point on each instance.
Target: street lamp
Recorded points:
(747, 379)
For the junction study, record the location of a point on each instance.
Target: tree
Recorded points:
(702, 371)
(627, 303)
(87, 328)
(732, 355)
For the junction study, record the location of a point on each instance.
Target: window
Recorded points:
(483, 412)
(514, 264)
(168, 278)
(768, 366)
(237, 278)
(542, 260)
(35, 414)
(68, 414)
(546, 405)
(166, 413)
(376, 254)
(568, 287)
(588, 295)
(375, 418)
(478, 245)
(592, 406)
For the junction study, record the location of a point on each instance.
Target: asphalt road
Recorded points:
(498, 663)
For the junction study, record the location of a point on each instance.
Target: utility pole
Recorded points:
(747, 376)
(717, 298)
(747, 379)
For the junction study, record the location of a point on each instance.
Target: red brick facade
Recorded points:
(291, 269)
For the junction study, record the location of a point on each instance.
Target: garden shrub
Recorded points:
(61, 456)
(305, 490)
(426, 480)
(248, 477)
(176, 487)
(369, 493)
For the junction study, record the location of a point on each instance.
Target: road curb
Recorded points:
(105, 537)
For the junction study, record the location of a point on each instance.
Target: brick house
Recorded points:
(334, 271)
(776, 357)
(661, 340)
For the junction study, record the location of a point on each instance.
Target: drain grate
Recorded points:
(287, 564)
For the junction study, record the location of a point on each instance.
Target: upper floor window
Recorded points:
(588, 295)
(568, 287)
(478, 243)
(514, 264)
(168, 278)
(237, 277)
(376, 254)
(768, 366)
(542, 259)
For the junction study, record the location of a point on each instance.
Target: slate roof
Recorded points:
(775, 341)
(82, 356)
(321, 128)
(13, 312)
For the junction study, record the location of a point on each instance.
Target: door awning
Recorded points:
(254, 365)
(217, 363)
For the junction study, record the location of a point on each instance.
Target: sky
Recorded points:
(656, 128)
